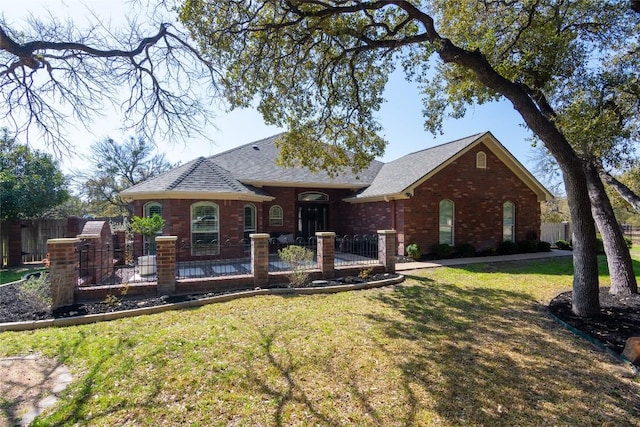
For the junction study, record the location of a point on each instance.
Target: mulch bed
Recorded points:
(618, 320)
(16, 307)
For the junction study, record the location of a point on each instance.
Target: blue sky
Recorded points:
(401, 116)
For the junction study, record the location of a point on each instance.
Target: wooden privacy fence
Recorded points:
(553, 231)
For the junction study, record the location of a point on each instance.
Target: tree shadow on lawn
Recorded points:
(493, 357)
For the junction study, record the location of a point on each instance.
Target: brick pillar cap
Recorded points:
(386, 231)
(88, 236)
(325, 234)
(62, 241)
(166, 239)
(259, 235)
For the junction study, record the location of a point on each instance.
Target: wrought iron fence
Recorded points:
(279, 263)
(111, 264)
(213, 259)
(356, 250)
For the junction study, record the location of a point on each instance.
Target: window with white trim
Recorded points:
(446, 221)
(152, 208)
(276, 215)
(508, 221)
(481, 160)
(205, 233)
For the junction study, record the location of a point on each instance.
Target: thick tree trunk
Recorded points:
(623, 279)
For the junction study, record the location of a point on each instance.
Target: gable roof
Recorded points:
(256, 164)
(238, 174)
(200, 178)
(399, 178)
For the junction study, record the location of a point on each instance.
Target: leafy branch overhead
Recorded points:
(55, 73)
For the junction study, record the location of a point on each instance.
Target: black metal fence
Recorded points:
(278, 254)
(228, 258)
(356, 250)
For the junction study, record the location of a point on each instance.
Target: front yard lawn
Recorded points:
(450, 346)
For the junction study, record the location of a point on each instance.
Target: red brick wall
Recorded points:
(478, 196)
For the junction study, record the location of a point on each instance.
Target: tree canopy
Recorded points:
(30, 181)
(115, 167)
(55, 74)
(319, 68)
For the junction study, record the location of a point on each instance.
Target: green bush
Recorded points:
(466, 250)
(440, 251)
(526, 246)
(543, 246)
(299, 259)
(507, 248)
(629, 242)
(413, 251)
(563, 244)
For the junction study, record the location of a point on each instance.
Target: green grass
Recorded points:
(450, 346)
(13, 274)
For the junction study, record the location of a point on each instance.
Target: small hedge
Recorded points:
(441, 251)
(465, 250)
(507, 248)
(563, 244)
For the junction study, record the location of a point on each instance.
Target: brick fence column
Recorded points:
(326, 253)
(166, 260)
(260, 258)
(387, 249)
(63, 270)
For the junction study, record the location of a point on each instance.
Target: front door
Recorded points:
(312, 217)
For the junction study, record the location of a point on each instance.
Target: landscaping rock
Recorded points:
(632, 350)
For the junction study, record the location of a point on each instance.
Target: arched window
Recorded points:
(481, 160)
(313, 196)
(446, 222)
(152, 208)
(276, 215)
(508, 221)
(249, 218)
(205, 238)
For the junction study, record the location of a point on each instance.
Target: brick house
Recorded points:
(471, 190)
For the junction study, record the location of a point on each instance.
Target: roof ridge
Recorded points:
(474, 136)
(259, 141)
(227, 176)
(185, 173)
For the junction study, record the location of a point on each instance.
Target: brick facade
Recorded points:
(478, 196)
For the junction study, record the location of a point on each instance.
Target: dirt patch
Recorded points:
(29, 385)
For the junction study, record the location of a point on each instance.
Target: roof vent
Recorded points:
(255, 147)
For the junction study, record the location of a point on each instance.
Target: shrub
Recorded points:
(507, 248)
(440, 251)
(298, 258)
(526, 246)
(543, 246)
(413, 251)
(629, 242)
(563, 244)
(466, 250)
(37, 289)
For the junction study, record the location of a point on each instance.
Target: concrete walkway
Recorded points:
(405, 266)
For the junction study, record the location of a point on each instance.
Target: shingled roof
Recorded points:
(238, 173)
(198, 177)
(255, 163)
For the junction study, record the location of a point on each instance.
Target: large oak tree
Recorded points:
(320, 68)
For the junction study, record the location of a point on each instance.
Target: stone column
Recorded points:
(387, 249)
(260, 258)
(326, 253)
(63, 270)
(166, 264)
